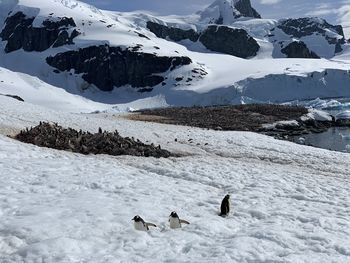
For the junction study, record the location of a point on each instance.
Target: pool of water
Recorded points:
(335, 138)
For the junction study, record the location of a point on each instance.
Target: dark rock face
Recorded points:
(230, 41)
(175, 34)
(221, 39)
(13, 96)
(246, 9)
(109, 67)
(20, 33)
(223, 12)
(298, 50)
(57, 137)
(307, 26)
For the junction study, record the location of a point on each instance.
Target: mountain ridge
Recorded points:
(192, 47)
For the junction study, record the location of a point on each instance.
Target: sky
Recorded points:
(335, 11)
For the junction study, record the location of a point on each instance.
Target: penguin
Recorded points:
(225, 206)
(141, 225)
(175, 221)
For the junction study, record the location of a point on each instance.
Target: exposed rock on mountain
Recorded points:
(227, 11)
(108, 67)
(303, 27)
(19, 32)
(307, 26)
(174, 34)
(221, 39)
(230, 41)
(246, 9)
(174, 58)
(298, 49)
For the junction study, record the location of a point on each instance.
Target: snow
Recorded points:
(262, 78)
(36, 91)
(220, 9)
(292, 123)
(317, 115)
(290, 202)
(345, 115)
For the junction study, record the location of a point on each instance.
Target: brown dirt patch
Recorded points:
(229, 118)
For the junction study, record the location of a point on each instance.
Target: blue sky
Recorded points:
(335, 11)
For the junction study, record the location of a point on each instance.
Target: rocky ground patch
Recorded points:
(252, 118)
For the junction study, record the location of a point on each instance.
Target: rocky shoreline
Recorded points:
(279, 121)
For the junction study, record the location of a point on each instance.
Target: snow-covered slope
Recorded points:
(290, 203)
(88, 45)
(38, 92)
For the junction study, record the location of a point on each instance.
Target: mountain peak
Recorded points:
(227, 11)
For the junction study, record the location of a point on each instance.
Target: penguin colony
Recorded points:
(175, 221)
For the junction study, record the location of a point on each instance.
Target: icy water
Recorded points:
(336, 139)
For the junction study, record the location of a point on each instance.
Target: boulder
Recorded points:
(228, 40)
(108, 67)
(298, 49)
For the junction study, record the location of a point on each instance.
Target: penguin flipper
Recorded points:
(150, 224)
(184, 222)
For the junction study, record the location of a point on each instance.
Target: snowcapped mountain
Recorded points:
(222, 55)
(227, 11)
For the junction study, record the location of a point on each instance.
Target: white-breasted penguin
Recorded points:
(225, 206)
(141, 225)
(175, 221)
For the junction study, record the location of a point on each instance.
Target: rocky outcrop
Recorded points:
(307, 26)
(19, 32)
(56, 137)
(108, 67)
(292, 131)
(298, 49)
(245, 8)
(303, 27)
(225, 12)
(13, 97)
(174, 34)
(227, 40)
